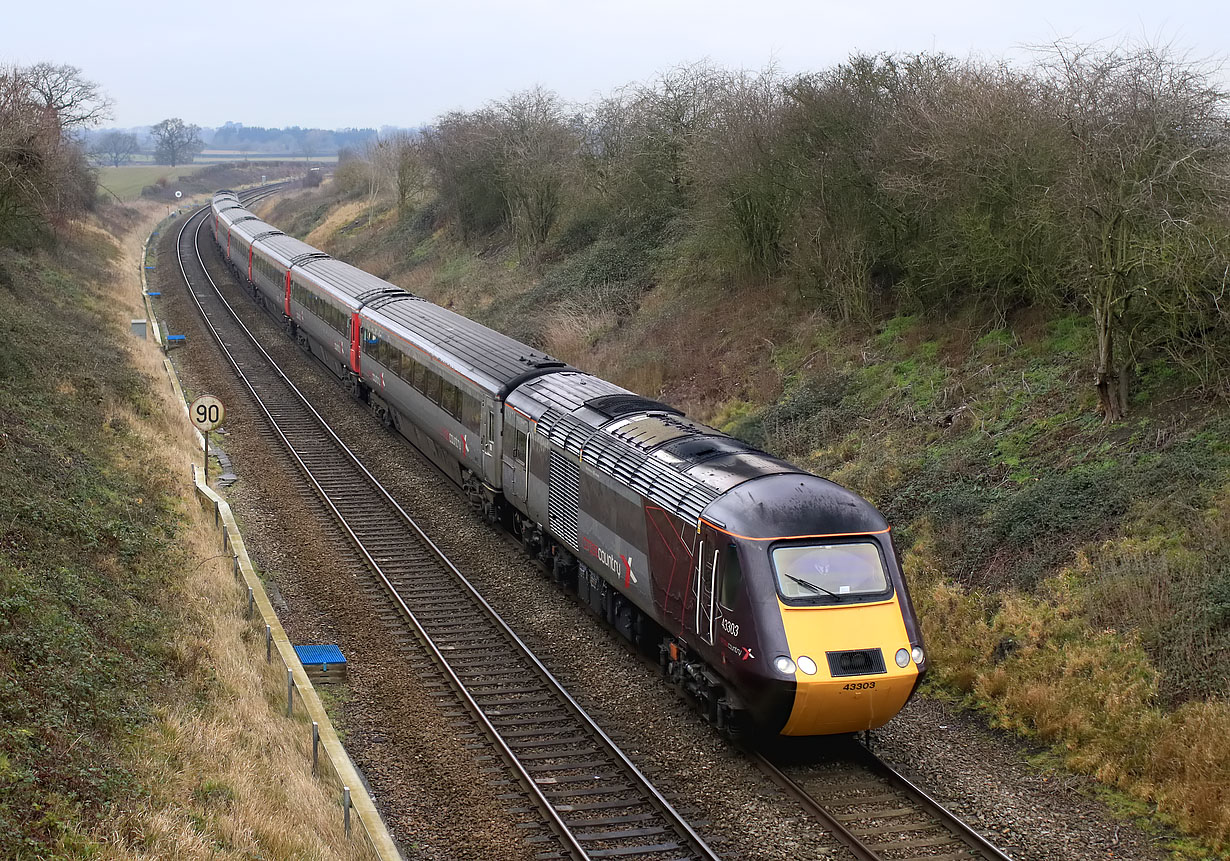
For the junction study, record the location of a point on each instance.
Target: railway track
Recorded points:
(875, 811)
(587, 791)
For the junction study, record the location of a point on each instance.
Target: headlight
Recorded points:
(784, 665)
(917, 654)
(807, 665)
(903, 658)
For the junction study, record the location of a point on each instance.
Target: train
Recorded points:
(772, 597)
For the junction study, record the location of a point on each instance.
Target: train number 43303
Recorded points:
(858, 686)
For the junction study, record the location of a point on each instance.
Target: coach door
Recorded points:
(490, 470)
(516, 457)
(704, 587)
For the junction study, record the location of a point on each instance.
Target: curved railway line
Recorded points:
(589, 793)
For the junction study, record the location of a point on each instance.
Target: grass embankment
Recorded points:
(138, 718)
(1073, 577)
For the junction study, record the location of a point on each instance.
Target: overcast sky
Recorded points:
(382, 62)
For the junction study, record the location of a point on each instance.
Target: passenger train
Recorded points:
(771, 596)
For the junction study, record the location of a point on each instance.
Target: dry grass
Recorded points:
(1034, 664)
(321, 237)
(229, 773)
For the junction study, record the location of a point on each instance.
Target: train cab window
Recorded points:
(830, 573)
(731, 581)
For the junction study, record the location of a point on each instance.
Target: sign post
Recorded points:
(207, 413)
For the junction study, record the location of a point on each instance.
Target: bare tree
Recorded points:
(77, 102)
(1144, 194)
(536, 148)
(115, 148)
(175, 141)
(44, 177)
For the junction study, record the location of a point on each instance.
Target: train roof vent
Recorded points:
(307, 256)
(566, 431)
(622, 404)
(675, 492)
(541, 362)
(224, 191)
(267, 234)
(246, 218)
(381, 297)
(235, 205)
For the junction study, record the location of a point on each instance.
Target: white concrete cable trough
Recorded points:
(353, 792)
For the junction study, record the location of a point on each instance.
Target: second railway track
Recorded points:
(588, 791)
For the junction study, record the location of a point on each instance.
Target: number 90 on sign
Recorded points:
(207, 412)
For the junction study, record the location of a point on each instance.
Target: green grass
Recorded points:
(85, 529)
(126, 182)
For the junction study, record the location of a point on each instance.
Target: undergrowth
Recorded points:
(86, 549)
(1073, 577)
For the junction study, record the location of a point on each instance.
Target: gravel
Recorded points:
(403, 731)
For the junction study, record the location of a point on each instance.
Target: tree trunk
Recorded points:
(1110, 384)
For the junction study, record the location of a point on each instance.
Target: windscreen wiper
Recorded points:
(812, 586)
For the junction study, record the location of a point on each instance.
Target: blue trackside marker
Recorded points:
(322, 655)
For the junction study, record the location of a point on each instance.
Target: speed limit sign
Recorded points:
(207, 413)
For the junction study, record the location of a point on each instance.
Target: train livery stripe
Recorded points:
(794, 537)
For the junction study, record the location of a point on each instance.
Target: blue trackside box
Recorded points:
(328, 654)
(324, 663)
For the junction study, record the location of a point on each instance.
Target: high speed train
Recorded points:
(771, 596)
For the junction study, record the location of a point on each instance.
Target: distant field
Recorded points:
(221, 156)
(213, 156)
(126, 182)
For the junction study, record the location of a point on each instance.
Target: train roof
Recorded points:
(461, 342)
(680, 464)
(354, 282)
(285, 248)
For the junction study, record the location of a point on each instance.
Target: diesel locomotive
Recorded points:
(771, 596)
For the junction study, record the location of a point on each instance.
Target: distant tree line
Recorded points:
(45, 176)
(1098, 180)
(292, 140)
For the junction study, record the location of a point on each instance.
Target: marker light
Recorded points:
(807, 665)
(903, 658)
(917, 654)
(784, 665)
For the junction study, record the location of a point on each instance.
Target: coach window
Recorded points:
(470, 411)
(420, 376)
(433, 387)
(448, 398)
(731, 581)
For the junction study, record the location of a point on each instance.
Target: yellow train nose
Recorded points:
(843, 660)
